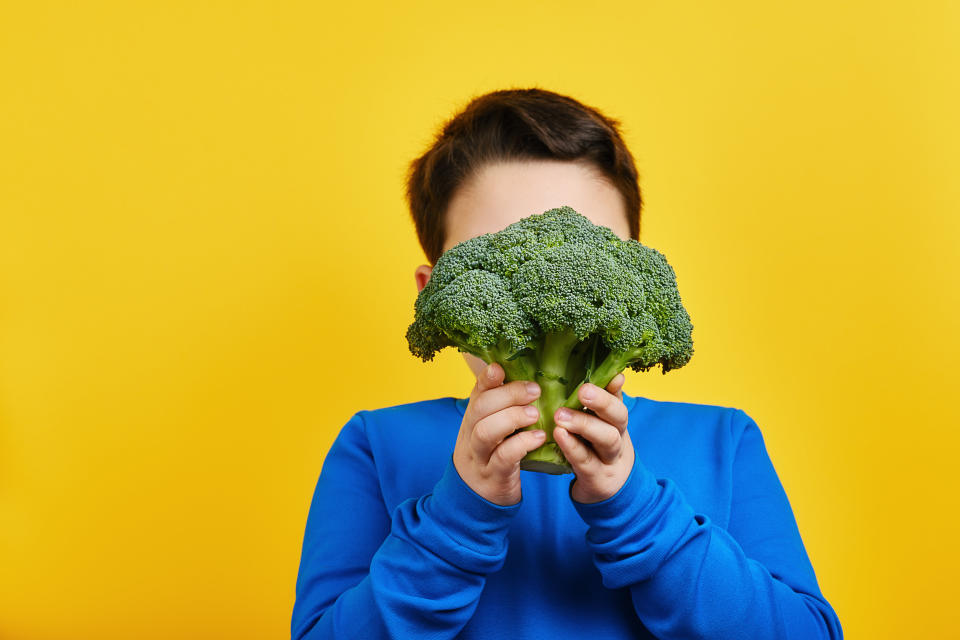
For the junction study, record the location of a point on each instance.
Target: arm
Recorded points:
(417, 572)
(690, 578)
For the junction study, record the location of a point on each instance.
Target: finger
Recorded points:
(489, 401)
(491, 376)
(581, 458)
(616, 385)
(489, 432)
(605, 405)
(604, 437)
(508, 453)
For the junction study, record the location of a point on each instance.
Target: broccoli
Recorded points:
(555, 299)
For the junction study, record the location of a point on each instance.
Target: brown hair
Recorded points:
(515, 124)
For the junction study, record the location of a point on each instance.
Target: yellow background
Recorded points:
(206, 266)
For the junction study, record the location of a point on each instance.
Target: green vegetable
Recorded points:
(555, 299)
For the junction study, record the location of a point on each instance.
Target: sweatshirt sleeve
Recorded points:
(414, 573)
(689, 577)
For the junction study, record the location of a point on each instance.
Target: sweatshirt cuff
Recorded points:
(476, 527)
(633, 532)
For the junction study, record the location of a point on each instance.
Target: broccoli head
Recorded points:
(555, 299)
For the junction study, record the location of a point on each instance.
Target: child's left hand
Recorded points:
(603, 464)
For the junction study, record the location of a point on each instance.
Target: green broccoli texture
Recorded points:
(555, 299)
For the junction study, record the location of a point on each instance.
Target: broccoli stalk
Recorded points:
(551, 375)
(546, 363)
(558, 300)
(566, 364)
(563, 364)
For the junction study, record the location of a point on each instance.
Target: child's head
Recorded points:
(512, 153)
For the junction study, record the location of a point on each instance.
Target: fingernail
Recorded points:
(531, 411)
(587, 392)
(490, 373)
(539, 435)
(533, 388)
(563, 415)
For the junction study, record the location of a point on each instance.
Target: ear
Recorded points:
(422, 274)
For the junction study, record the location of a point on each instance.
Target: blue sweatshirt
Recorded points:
(700, 542)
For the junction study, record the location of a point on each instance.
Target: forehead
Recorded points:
(499, 194)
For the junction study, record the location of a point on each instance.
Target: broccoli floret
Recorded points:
(559, 300)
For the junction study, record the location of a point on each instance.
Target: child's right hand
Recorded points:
(486, 455)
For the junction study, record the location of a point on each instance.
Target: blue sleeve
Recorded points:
(690, 578)
(414, 573)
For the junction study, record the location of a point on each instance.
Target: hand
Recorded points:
(603, 459)
(488, 453)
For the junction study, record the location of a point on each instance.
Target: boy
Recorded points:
(675, 524)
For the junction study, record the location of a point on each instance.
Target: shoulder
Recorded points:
(693, 444)
(422, 413)
(402, 426)
(718, 426)
(677, 413)
(409, 444)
